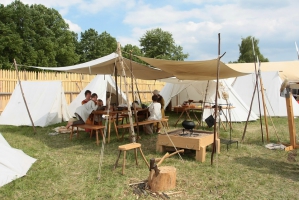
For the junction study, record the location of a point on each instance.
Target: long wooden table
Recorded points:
(112, 118)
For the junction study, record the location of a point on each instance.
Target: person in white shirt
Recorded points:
(82, 112)
(155, 114)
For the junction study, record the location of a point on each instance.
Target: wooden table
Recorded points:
(187, 111)
(198, 143)
(112, 118)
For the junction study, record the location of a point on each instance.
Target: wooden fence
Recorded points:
(72, 84)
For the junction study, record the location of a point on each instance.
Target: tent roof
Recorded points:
(105, 65)
(193, 70)
(286, 69)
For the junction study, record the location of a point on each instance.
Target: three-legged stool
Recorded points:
(127, 147)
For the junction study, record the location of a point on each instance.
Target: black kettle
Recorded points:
(188, 124)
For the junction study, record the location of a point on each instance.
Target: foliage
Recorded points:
(35, 35)
(128, 48)
(93, 46)
(157, 43)
(246, 51)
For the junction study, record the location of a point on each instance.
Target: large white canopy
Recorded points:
(194, 70)
(286, 69)
(105, 65)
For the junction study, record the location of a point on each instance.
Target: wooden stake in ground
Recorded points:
(127, 93)
(15, 64)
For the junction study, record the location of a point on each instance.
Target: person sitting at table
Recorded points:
(155, 114)
(87, 94)
(82, 112)
(98, 118)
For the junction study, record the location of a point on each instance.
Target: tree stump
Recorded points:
(165, 180)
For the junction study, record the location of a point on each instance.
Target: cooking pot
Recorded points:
(188, 124)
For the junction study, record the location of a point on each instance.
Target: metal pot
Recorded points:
(188, 124)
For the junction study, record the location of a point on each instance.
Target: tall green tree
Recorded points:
(157, 43)
(93, 45)
(35, 35)
(129, 48)
(246, 50)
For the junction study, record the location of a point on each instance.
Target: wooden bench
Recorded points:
(95, 128)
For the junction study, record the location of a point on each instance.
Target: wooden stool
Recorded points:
(126, 147)
(164, 122)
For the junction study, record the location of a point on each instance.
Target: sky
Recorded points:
(194, 24)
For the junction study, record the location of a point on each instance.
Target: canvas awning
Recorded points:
(105, 65)
(286, 69)
(193, 70)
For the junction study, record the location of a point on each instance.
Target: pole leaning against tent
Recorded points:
(216, 100)
(127, 93)
(15, 64)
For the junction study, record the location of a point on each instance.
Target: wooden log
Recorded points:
(165, 180)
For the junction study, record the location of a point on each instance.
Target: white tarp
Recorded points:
(99, 85)
(14, 163)
(178, 92)
(46, 102)
(276, 104)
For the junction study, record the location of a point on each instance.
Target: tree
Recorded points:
(35, 35)
(128, 48)
(93, 46)
(157, 43)
(246, 51)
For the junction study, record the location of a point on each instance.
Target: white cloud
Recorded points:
(73, 27)
(196, 29)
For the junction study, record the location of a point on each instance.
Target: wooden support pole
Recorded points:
(127, 93)
(216, 101)
(15, 64)
(292, 129)
(133, 97)
(264, 105)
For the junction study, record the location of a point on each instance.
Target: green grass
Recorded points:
(69, 169)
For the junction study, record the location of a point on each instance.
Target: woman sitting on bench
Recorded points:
(82, 112)
(155, 114)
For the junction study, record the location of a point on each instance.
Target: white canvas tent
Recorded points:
(99, 85)
(179, 91)
(14, 163)
(276, 104)
(46, 102)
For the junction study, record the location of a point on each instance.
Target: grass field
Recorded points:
(69, 169)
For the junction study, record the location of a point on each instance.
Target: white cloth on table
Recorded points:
(86, 109)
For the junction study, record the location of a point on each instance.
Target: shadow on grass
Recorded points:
(268, 166)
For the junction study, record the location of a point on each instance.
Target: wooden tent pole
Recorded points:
(292, 129)
(133, 97)
(264, 105)
(203, 104)
(127, 93)
(216, 100)
(15, 64)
